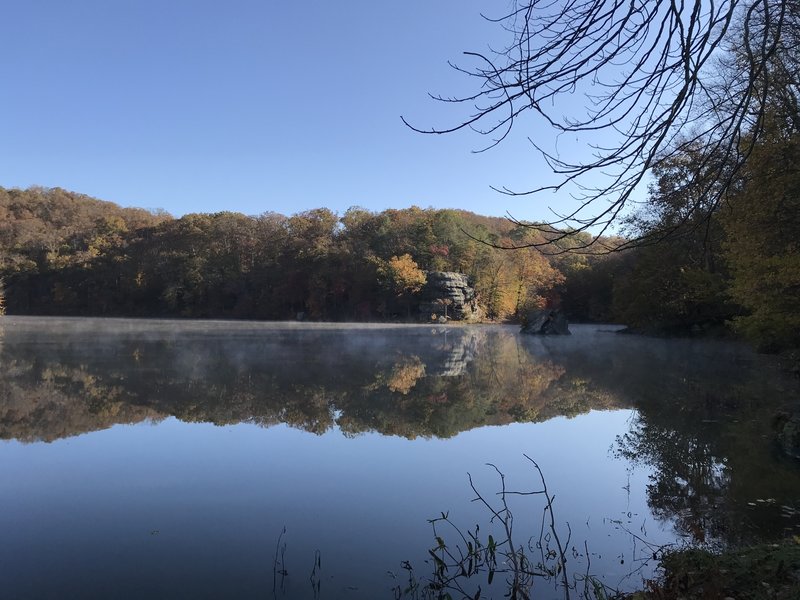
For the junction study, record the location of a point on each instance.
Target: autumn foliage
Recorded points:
(65, 253)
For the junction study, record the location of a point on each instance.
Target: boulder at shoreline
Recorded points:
(546, 322)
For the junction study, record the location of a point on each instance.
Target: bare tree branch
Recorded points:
(655, 84)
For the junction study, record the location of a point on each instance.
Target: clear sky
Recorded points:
(251, 106)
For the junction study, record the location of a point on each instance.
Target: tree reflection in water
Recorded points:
(703, 408)
(433, 383)
(707, 435)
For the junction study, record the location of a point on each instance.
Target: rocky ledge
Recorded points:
(448, 295)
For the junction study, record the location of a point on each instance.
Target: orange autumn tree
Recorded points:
(403, 277)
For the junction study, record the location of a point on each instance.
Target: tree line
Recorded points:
(68, 254)
(64, 253)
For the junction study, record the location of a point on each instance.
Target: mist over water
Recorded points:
(163, 459)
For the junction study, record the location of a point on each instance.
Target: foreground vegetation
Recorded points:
(764, 572)
(466, 563)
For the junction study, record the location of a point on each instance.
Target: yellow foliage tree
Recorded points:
(512, 282)
(406, 274)
(404, 277)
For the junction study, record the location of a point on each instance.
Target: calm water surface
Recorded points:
(165, 459)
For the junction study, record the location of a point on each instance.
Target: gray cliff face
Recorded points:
(448, 294)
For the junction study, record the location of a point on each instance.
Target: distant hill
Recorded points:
(65, 253)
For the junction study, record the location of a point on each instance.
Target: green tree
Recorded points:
(679, 287)
(588, 289)
(763, 245)
(310, 265)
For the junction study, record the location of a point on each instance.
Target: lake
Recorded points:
(197, 459)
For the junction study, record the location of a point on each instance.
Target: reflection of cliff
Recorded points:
(460, 352)
(503, 385)
(405, 381)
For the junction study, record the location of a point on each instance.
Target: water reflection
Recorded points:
(411, 382)
(702, 425)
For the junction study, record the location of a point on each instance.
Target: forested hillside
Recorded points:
(63, 253)
(68, 254)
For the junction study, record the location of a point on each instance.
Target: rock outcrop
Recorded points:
(546, 322)
(448, 294)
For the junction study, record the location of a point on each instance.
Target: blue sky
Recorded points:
(252, 106)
